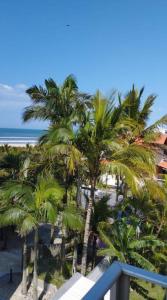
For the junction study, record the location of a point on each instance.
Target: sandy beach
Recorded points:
(21, 145)
(19, 137)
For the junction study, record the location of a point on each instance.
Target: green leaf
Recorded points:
(141, 261)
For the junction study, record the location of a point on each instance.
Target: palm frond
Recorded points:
(161, 122)
(29, 223)
(147, 108)
(146, 242)
(13, 216)
(130, 176)
(110, 250)
(154, 189)
(35, 112)
(49, 212)
(141, 261)
(72, 218)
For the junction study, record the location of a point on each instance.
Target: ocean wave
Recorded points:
(18, 141)
(18, 137)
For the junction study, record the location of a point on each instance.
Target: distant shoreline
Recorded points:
(19, 137)
(15, 128)
(19, 145)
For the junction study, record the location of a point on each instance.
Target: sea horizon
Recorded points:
(19, 136)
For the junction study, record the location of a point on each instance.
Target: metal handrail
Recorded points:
(119, 274)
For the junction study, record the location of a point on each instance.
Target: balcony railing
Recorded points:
(116, 280)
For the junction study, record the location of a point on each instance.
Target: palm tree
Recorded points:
(17, 163)
(102, 145)
(71, 219)
(121, 243)
(59, 141)
(137, 115)
(27, 207)
(12, 162)
(96, 140)
(55, 103)
(63, 156)
(102, 212)
(140, 114)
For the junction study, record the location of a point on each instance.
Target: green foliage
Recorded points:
(122, 244)
(110, 137)
(27, 206)
(71, 218)
(121, 241)
(140, 115)
(102, 212)
(56, 103)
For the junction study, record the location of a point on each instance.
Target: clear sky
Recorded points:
(110, 44)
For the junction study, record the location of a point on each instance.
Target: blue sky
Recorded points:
(110, 44)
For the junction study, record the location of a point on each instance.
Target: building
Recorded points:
(160, 146)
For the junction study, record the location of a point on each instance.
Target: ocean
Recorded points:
(19, 137)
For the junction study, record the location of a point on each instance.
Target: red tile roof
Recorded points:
(161, 140)
(104, 161)
(163, 164)
(139, 141)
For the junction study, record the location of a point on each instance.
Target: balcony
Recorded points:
(115, 282)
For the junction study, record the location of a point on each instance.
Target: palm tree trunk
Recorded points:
(63, 249)
(78, 196)
(87, 229)
(74, 263)
(24, 276)
(65, 198)
(117, 190)
(125, 192)
(159, 228)
(94, 254)
(35, 273)
(52, 230)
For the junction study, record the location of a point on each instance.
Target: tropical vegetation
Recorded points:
(88, 136)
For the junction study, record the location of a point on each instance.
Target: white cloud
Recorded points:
(5, 87)
(13, 95)
(13, 101)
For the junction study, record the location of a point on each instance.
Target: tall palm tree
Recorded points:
(59, 140)
(27, 207)
(55, 103)
(17, 163)
(137, 114)
(99, 141)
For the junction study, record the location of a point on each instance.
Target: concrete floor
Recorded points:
(11, 257)
(7, 289)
